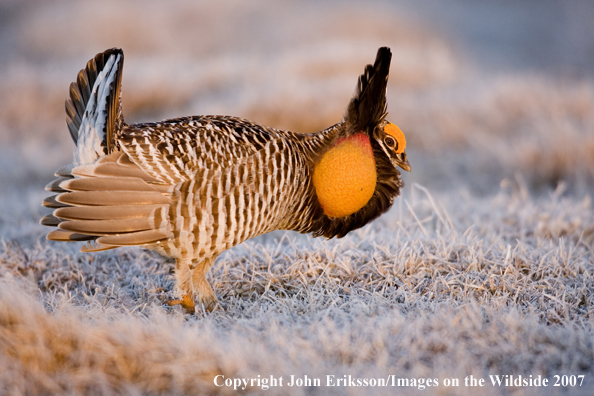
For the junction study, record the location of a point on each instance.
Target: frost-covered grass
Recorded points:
(441, 287)
(483, 267)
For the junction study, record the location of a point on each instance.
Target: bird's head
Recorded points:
(393, 143)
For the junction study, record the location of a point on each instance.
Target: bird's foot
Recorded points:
(187, 303)
(208, 304)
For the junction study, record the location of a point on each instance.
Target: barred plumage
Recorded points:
(191, 188)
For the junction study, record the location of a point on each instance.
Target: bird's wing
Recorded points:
(110, 203)
(120, 202)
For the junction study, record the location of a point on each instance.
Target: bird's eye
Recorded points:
(391, 142)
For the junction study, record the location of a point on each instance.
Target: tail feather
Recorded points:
(93, 110)
(84, 85)
(77, 101)
(73, 116)
(368, 106)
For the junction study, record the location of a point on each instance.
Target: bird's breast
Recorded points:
(346, 175)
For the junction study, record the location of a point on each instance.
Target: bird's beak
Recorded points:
(402, 162)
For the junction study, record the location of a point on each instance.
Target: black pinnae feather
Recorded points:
(368, 106)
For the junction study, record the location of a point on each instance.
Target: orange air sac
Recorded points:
(345, 177)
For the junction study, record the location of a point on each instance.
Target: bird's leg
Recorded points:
(201, 287)
(183, 285)
(190, 275)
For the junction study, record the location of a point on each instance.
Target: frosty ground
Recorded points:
(484, 266)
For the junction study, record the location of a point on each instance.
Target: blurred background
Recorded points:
(486, 92)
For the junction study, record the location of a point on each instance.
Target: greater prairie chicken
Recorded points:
(193, 187)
